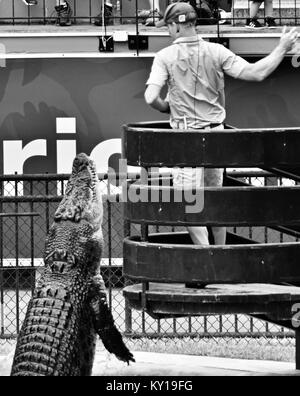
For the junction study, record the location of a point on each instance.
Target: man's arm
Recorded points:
(153, 99)
(157, 79)
(263, 68)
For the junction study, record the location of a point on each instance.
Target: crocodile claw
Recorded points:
(113, 342)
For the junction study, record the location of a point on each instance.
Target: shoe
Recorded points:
(270, 22)
(253, 23)
(153, 17)
(30, 2)
(108, 16)
(64, 15)
(144, 14)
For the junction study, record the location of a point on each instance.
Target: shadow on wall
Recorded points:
(101, 94)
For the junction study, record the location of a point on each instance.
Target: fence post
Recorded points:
(297, 349)
(128, 311)
(1, 263)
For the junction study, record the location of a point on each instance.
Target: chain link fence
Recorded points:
(27, 206)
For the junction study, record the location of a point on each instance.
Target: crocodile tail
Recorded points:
(110, 335)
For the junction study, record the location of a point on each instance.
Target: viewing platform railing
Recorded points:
(128, 28)
(181, 278)
(224, 12)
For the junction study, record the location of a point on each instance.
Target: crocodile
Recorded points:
(69, 307)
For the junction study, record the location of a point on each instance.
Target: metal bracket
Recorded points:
(220, 40)
(138, 43)
(106, 44)
(145, 288)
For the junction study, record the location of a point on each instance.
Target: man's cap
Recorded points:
(179, 13)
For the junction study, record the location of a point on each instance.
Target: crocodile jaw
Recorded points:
(82, 200)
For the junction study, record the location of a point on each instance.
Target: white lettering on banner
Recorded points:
(66, 152)
(65, 125)
(103, 151)
(15, 155)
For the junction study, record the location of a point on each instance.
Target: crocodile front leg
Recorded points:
(104, 323)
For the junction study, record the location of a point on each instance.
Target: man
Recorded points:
(194, 70)
(204, 10)
(63, 10)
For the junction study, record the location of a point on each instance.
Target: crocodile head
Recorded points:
(75, 238)
(82, 200)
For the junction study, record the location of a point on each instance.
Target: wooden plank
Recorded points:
(164, 300)
(183, 238)
(231, 206)
(146, 145)
(252, 263)
(289, 229)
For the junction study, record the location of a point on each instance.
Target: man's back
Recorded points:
(193, 69)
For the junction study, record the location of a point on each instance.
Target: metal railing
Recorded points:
(228, 12)
(27, 206)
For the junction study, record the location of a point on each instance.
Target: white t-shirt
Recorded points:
(194, 71)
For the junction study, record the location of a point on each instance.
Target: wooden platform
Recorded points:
(175, 300)
(261, 148)
(161, 260)
(239, 206)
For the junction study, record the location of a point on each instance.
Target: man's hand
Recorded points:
(288, 39)
(153, 99)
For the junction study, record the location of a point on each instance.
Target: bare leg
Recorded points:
(219, 235)
(154, 5)
(254, 7)
(199, 235)
(269, 8)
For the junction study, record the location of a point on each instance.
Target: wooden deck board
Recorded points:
(165, 300)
